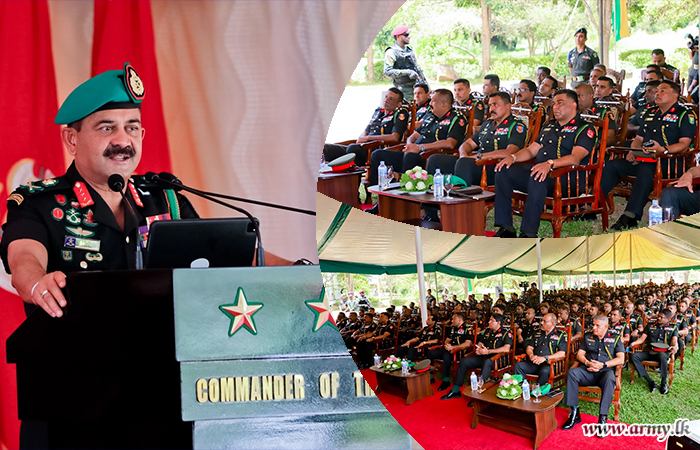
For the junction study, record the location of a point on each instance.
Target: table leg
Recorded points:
(464, 218)
(545, 423)
(476, 409)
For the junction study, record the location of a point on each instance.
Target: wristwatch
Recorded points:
(546, 357)
(551, 164)
(605, 365)
(422, 147)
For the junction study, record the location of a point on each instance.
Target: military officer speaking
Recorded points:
(549, 343)
(76, 222)
(564, 141)
(460, 338)
(664, 331)
(581, 59)
(495, 339)
(600, 352)
(401, 65)
(431, 334)
(501, 135)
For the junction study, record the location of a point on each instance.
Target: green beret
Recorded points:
(113, 89)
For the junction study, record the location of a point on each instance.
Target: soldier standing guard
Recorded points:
(581, 59)
(401, 65)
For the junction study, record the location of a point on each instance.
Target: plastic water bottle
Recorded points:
(474, 383)
(377, 360)
(404, 366)
(526, 390)
(383, 178)
(438, 185)
(655, 213)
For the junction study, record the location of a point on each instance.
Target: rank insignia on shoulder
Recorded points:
(520, 128)
(17, 198)
(31, 187)
(50, 182)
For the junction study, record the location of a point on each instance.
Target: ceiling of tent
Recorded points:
(353, 241)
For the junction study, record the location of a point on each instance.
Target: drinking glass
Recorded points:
(536, 392)
(668, 214)
(479, 383)
(448, 184)
(390, 174)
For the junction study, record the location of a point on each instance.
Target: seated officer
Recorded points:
(664, 331)
(460, 338)
(495, 339)
(681, 196)
(365, 348)
(683, 329)
(600, 352)
(619, 326)
(638, 100)
(526, 94)
(566, 140)
(431, 334)
(549, 342)
(388, 125)
(587, 98)
(366, 330)
(501, 135)
(444, 130)
(669, 129)
(566, 320)
(421, 96)
(690, 318)
(649, 97)
(465, 98)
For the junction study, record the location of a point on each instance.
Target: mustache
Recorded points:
(114, 150)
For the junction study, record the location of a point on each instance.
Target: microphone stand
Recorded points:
(177, 186)
(116, 183)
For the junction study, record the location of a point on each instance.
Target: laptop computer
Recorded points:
(173, 244)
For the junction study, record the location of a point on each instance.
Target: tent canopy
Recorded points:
(353, 241)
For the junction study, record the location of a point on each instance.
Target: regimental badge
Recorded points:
(31, 187)
(57, 214)
(50, 182)
(79, 231)
(61, 199)
(322, 311)
(133, 83)
(590, 133)
(93, 257)
(691, 119)
(241, 313)
(519, 128)
(17, 198)
(480, 106)
(73, 216)
(461, 122)
(67, 255)
(89, 219)
(402, 116)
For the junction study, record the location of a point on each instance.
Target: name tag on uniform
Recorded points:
(82, 243)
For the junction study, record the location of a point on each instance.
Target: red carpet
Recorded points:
(446, 424)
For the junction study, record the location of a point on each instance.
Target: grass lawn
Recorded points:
(640, 406)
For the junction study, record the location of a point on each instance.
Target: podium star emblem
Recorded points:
(322, 311)
(241, 313)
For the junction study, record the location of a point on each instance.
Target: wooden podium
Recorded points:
(196, 358)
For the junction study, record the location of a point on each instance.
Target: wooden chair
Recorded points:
(673, 76)
(559, 207)
(388, 345)
(557, 366)
(594, 393)
(533, 119)
(456, 355)
(619, 77)
(652, 366)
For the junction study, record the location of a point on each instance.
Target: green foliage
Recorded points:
(659, 15)
(635, 59)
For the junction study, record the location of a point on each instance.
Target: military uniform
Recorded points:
(421, 111)
(409, 326)
(596, 350)
(638, 100)
(679, 320)
(402, 66)
(491, 339)
(364, 328)
(666, 128)
(543, 344)
(459, 335)
(365, 350)
(621, 328)
(604, 112)
(382, 122)
(479, 107)
(491, 136)
(556, 141)
(433, 129)
(581, 64)
(426, 334)
(575, 326)
(78, 229)
(640, 114)
(655, 334)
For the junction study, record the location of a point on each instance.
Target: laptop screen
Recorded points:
(186, 243)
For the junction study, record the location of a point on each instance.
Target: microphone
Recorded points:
(170, 181)
(177, 185)
(116, 183)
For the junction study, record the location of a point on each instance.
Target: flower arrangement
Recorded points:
(392, 363)
(416, 180)
(509, 388)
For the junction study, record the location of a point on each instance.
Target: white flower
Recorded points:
(417, 169)
(420, 186)
(409, 185)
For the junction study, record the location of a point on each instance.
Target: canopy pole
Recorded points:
(539, 268)
(614, 263)
(436, 285)
(503, 288)
(421, 274)
(588, 267)
(630, 283)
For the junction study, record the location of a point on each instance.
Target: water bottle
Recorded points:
(655, 213)
(526, 390)
(404, 366)
(474, 383)
(377, 360)
(383, 178)
(438, 185)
